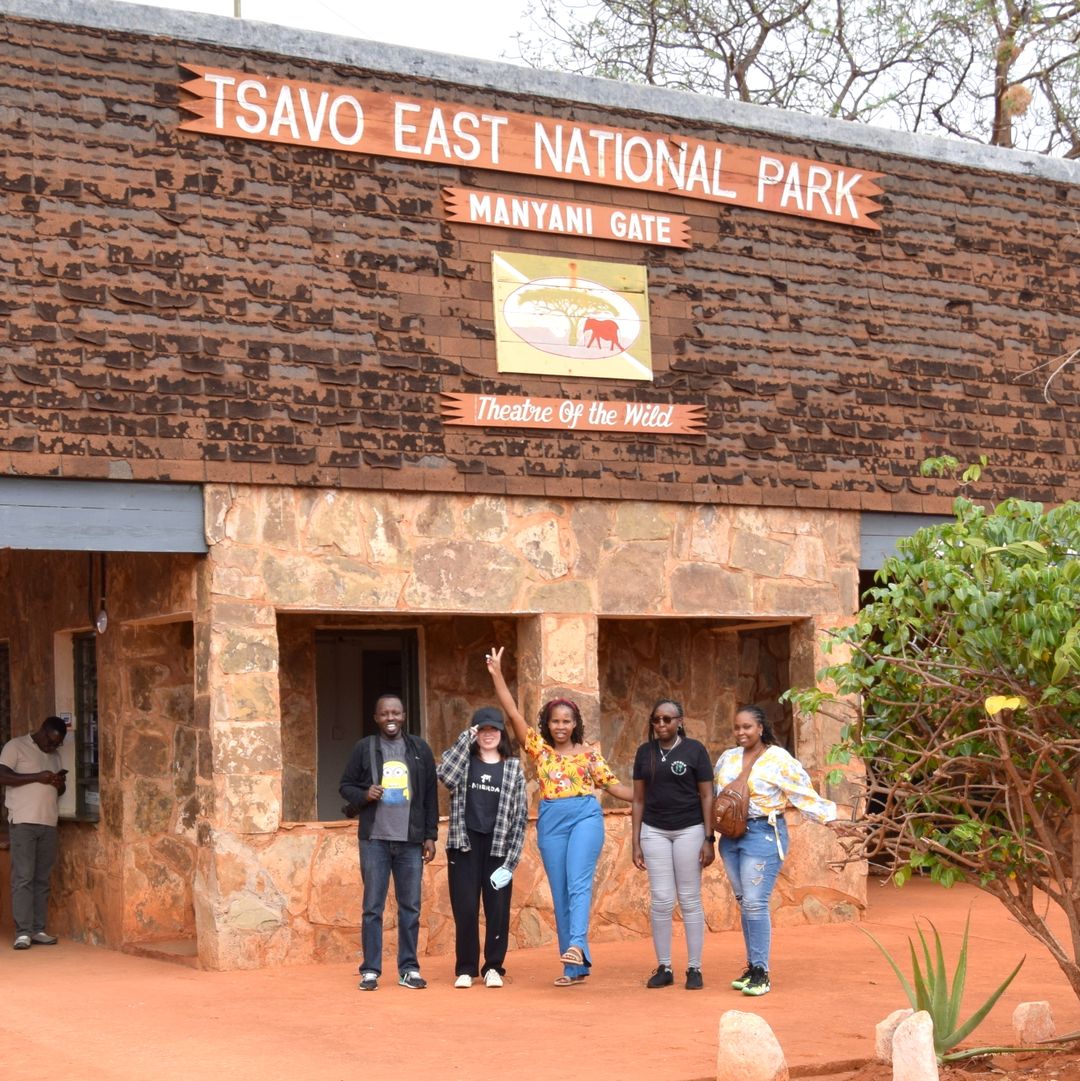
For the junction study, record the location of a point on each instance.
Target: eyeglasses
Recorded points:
(664, 720)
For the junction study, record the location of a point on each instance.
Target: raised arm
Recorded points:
(502, 692)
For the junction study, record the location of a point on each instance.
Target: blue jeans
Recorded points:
(570, 834)
(752, 863)
(378, 860)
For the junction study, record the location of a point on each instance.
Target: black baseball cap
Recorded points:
(488, 717)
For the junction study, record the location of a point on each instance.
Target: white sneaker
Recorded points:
(464, 980)
(492, 978)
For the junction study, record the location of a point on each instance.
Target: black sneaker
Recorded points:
(694, 982)
(662, 977)
(412, 979)
(758, 984)
(743, 980)
(369, 981)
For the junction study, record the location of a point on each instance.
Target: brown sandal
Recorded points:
(569, 981)
(574, 955)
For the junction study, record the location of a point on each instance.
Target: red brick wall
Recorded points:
(182, 307)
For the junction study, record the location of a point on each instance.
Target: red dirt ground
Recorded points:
(76, 1012)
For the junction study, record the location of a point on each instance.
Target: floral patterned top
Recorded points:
(563, 775)
(776, 779)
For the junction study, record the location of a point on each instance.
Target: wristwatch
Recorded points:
(711, 838)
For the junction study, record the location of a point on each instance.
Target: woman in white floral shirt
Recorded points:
(753, 861)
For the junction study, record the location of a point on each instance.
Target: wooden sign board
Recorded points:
(591, 220)
(243, 105)
(572, 415)
(571, 317)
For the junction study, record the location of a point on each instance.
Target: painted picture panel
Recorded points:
(572, 317)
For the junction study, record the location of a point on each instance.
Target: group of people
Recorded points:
(391, 781)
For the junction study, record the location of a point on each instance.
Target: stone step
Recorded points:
(177, 951)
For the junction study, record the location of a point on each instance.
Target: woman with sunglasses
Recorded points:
(672, 807)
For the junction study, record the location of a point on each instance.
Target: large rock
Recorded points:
(884, 1032)
(748, 1050)
(1033, 1023)
(913, 1057)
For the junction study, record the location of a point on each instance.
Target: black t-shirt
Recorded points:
(482, 795)
(672, 800)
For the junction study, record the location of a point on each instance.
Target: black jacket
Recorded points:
(420, 762)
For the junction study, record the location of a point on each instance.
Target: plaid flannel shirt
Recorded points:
(508, 838)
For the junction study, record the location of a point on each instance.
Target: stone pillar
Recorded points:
(557, 657)
(237, 915)
(816, 854)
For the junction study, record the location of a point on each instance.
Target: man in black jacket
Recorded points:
(391, 779)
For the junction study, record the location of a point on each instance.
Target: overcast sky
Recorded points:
(483, 28)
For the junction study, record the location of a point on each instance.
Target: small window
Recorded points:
(87, 801)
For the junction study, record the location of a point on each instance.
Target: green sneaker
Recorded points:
(743, 980)
(758, 983)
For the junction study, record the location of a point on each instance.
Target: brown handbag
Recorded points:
(731, 805)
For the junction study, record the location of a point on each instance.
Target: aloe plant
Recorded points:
(929, 990)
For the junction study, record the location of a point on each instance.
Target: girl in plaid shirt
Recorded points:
(488, 808)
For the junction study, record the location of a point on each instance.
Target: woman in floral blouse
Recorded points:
(570, 826)
(753, 861)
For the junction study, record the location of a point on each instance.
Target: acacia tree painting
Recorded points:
(960, 693)
(574, 305)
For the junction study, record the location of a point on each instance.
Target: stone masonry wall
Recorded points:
(711, 671)
(184, 307)
(268, 893)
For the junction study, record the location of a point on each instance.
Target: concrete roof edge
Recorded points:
(509, 78)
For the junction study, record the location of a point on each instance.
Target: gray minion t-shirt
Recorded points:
(392, 811)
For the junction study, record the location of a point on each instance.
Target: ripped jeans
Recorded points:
(752, 863)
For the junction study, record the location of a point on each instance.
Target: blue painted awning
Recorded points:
(100, 516)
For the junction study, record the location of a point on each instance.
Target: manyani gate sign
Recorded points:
(244, 105)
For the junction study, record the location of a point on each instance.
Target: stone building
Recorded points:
(256, 279)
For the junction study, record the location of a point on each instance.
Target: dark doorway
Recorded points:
(352, 668)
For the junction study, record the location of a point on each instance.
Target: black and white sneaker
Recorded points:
(758, 984)
(412, 979)
(369, 981)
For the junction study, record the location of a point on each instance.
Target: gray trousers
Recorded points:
(33, 853)
(673, 860)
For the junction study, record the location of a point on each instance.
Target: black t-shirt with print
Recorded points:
(482, 795)
(672, 800)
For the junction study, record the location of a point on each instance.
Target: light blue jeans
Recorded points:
(570, 834)
(752, 863)
(673, 860)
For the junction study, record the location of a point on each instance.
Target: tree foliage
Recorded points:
(1004, 72)
(966, 662)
